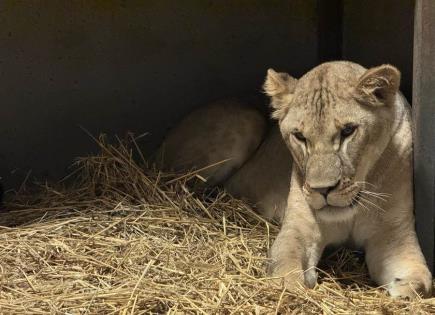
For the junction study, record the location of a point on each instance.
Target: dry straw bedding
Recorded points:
(118, 237)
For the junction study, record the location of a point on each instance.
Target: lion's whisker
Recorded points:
(373, 195)
(365, 183)
(366, 206)
(362, 205)
(373, 204)
(378, 193)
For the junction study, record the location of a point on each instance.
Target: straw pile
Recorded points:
(122, 238)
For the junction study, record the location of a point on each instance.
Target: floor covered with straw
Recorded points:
(118, 237)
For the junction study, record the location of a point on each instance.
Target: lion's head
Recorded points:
(337, 121)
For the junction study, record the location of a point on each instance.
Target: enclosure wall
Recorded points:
(377, 32)
(112, 66)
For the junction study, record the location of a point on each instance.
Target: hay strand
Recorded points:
(121, 238)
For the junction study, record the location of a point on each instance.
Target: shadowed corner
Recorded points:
(1, 197)
(3, 208)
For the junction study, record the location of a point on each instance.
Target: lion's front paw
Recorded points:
(411, 288)
(292, 280)
(295, 278)
(311, 276)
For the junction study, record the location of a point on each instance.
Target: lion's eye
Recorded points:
(298, 135)
(348, 130)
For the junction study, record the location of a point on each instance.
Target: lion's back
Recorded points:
(225, 133)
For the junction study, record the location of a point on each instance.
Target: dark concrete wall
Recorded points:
(112, 66)
(376, 32)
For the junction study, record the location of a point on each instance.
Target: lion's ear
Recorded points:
(279, 86)
(378, 86)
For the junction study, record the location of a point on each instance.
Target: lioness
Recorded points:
(348, 130)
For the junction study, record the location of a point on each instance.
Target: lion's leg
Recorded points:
(294, 256)
(298, 246)
(314, 254)
(395, 260)
(224, 134)
(287, 255)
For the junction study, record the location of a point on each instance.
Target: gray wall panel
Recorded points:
(376, 32)
(424, 132)
(113, 66)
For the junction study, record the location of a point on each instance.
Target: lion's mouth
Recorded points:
(341, 200)
(345, 196)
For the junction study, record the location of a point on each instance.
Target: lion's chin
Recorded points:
(336, 214)
(335, 208)
(340, 201)
(316, 201)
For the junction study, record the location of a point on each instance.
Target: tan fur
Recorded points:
(345, 188)
(226, 130)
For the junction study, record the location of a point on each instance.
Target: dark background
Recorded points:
(113, 66)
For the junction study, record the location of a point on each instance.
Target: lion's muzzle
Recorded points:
(323, 172)
(342, 194)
